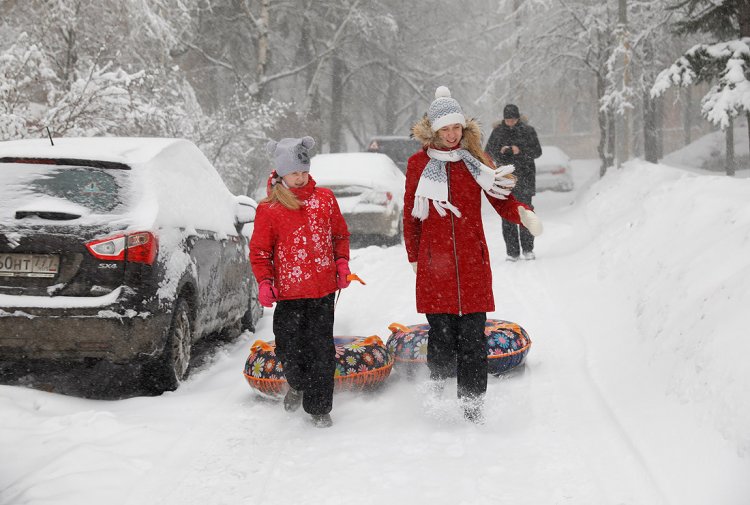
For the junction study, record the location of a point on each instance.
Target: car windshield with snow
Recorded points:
(118, 250)
(369, 189)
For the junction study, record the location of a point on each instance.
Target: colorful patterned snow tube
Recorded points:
(507, 345)
(361, 363)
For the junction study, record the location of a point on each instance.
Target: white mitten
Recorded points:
(530, 221)
(504, 178)
(495, 182)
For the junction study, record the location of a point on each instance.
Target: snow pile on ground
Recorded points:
(709, 151)
(668, 253)
(634, 391)
(678, 255)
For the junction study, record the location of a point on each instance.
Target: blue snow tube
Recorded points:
(507, 345)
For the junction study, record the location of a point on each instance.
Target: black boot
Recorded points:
(322, 420)
(473, 409)
(474, 414)
(292, 400)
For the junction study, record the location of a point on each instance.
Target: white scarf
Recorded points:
(433, 184)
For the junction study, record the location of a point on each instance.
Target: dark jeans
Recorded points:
(304, 343)
(511, 232)
(457, 347)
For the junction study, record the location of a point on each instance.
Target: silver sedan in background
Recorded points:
(369, 189)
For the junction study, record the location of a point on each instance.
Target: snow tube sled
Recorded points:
(361, 362)
(507, 345)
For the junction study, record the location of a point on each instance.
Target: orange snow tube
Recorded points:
(361, 363)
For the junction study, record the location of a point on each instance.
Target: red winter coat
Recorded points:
(298, 249)
(453, 264)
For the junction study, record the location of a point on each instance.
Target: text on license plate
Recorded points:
(29, 265)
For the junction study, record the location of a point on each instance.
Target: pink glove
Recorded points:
(342, 271)
(267, 294)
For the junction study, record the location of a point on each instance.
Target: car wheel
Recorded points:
(233, 330)
(171, 368)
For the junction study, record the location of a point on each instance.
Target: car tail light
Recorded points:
(140, 247)
(378, 197)
(558, 170)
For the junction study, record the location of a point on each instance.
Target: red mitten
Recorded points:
(342, 272)
(267, 294)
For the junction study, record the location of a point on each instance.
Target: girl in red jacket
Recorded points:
(299, 252)
(445, 243)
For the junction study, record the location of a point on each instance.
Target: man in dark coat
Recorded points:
(513, 142)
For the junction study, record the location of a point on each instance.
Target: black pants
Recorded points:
(457, 346)
(304, 343)
(511, 231)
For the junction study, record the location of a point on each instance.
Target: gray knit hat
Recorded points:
(290, 155)
(445, 110)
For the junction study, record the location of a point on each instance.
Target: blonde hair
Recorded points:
(473, 144)
(282, 195)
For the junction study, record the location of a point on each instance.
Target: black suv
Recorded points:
(397, 148)
(123, 250)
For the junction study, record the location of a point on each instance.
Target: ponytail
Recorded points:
(280, 194)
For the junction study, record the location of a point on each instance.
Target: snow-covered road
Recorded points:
(552, 435)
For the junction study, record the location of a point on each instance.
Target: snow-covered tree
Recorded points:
(562, 47)
(25, 78)
(91, 67)
(725, 63)
(644, 46)
(79, 75)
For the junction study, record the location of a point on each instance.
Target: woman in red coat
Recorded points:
(299, 252)
(445, 242)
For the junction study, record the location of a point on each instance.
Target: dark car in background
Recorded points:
(119, 250)
(397, 148)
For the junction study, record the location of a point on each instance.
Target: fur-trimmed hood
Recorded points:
(471, 140)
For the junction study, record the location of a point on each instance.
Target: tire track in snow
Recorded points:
(220, 452)
(619, 467)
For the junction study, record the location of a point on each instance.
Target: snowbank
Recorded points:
(665, 321)
(709, 152)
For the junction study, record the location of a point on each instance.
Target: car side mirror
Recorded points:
(244, 209)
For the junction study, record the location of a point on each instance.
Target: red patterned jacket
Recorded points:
(297, 249)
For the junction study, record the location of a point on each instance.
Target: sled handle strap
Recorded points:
(394, 327)
(261, 345)
(355, 277)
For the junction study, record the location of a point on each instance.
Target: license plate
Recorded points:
(29, 265)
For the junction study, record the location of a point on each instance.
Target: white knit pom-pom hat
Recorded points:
(445, 110)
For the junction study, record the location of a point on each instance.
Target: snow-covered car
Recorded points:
(396, 147)
(119, 250)
(369, 189)
(553, 170)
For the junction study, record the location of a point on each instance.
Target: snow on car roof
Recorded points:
(552, 155)
(174, 183)
(128, 150)
(365, 169)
